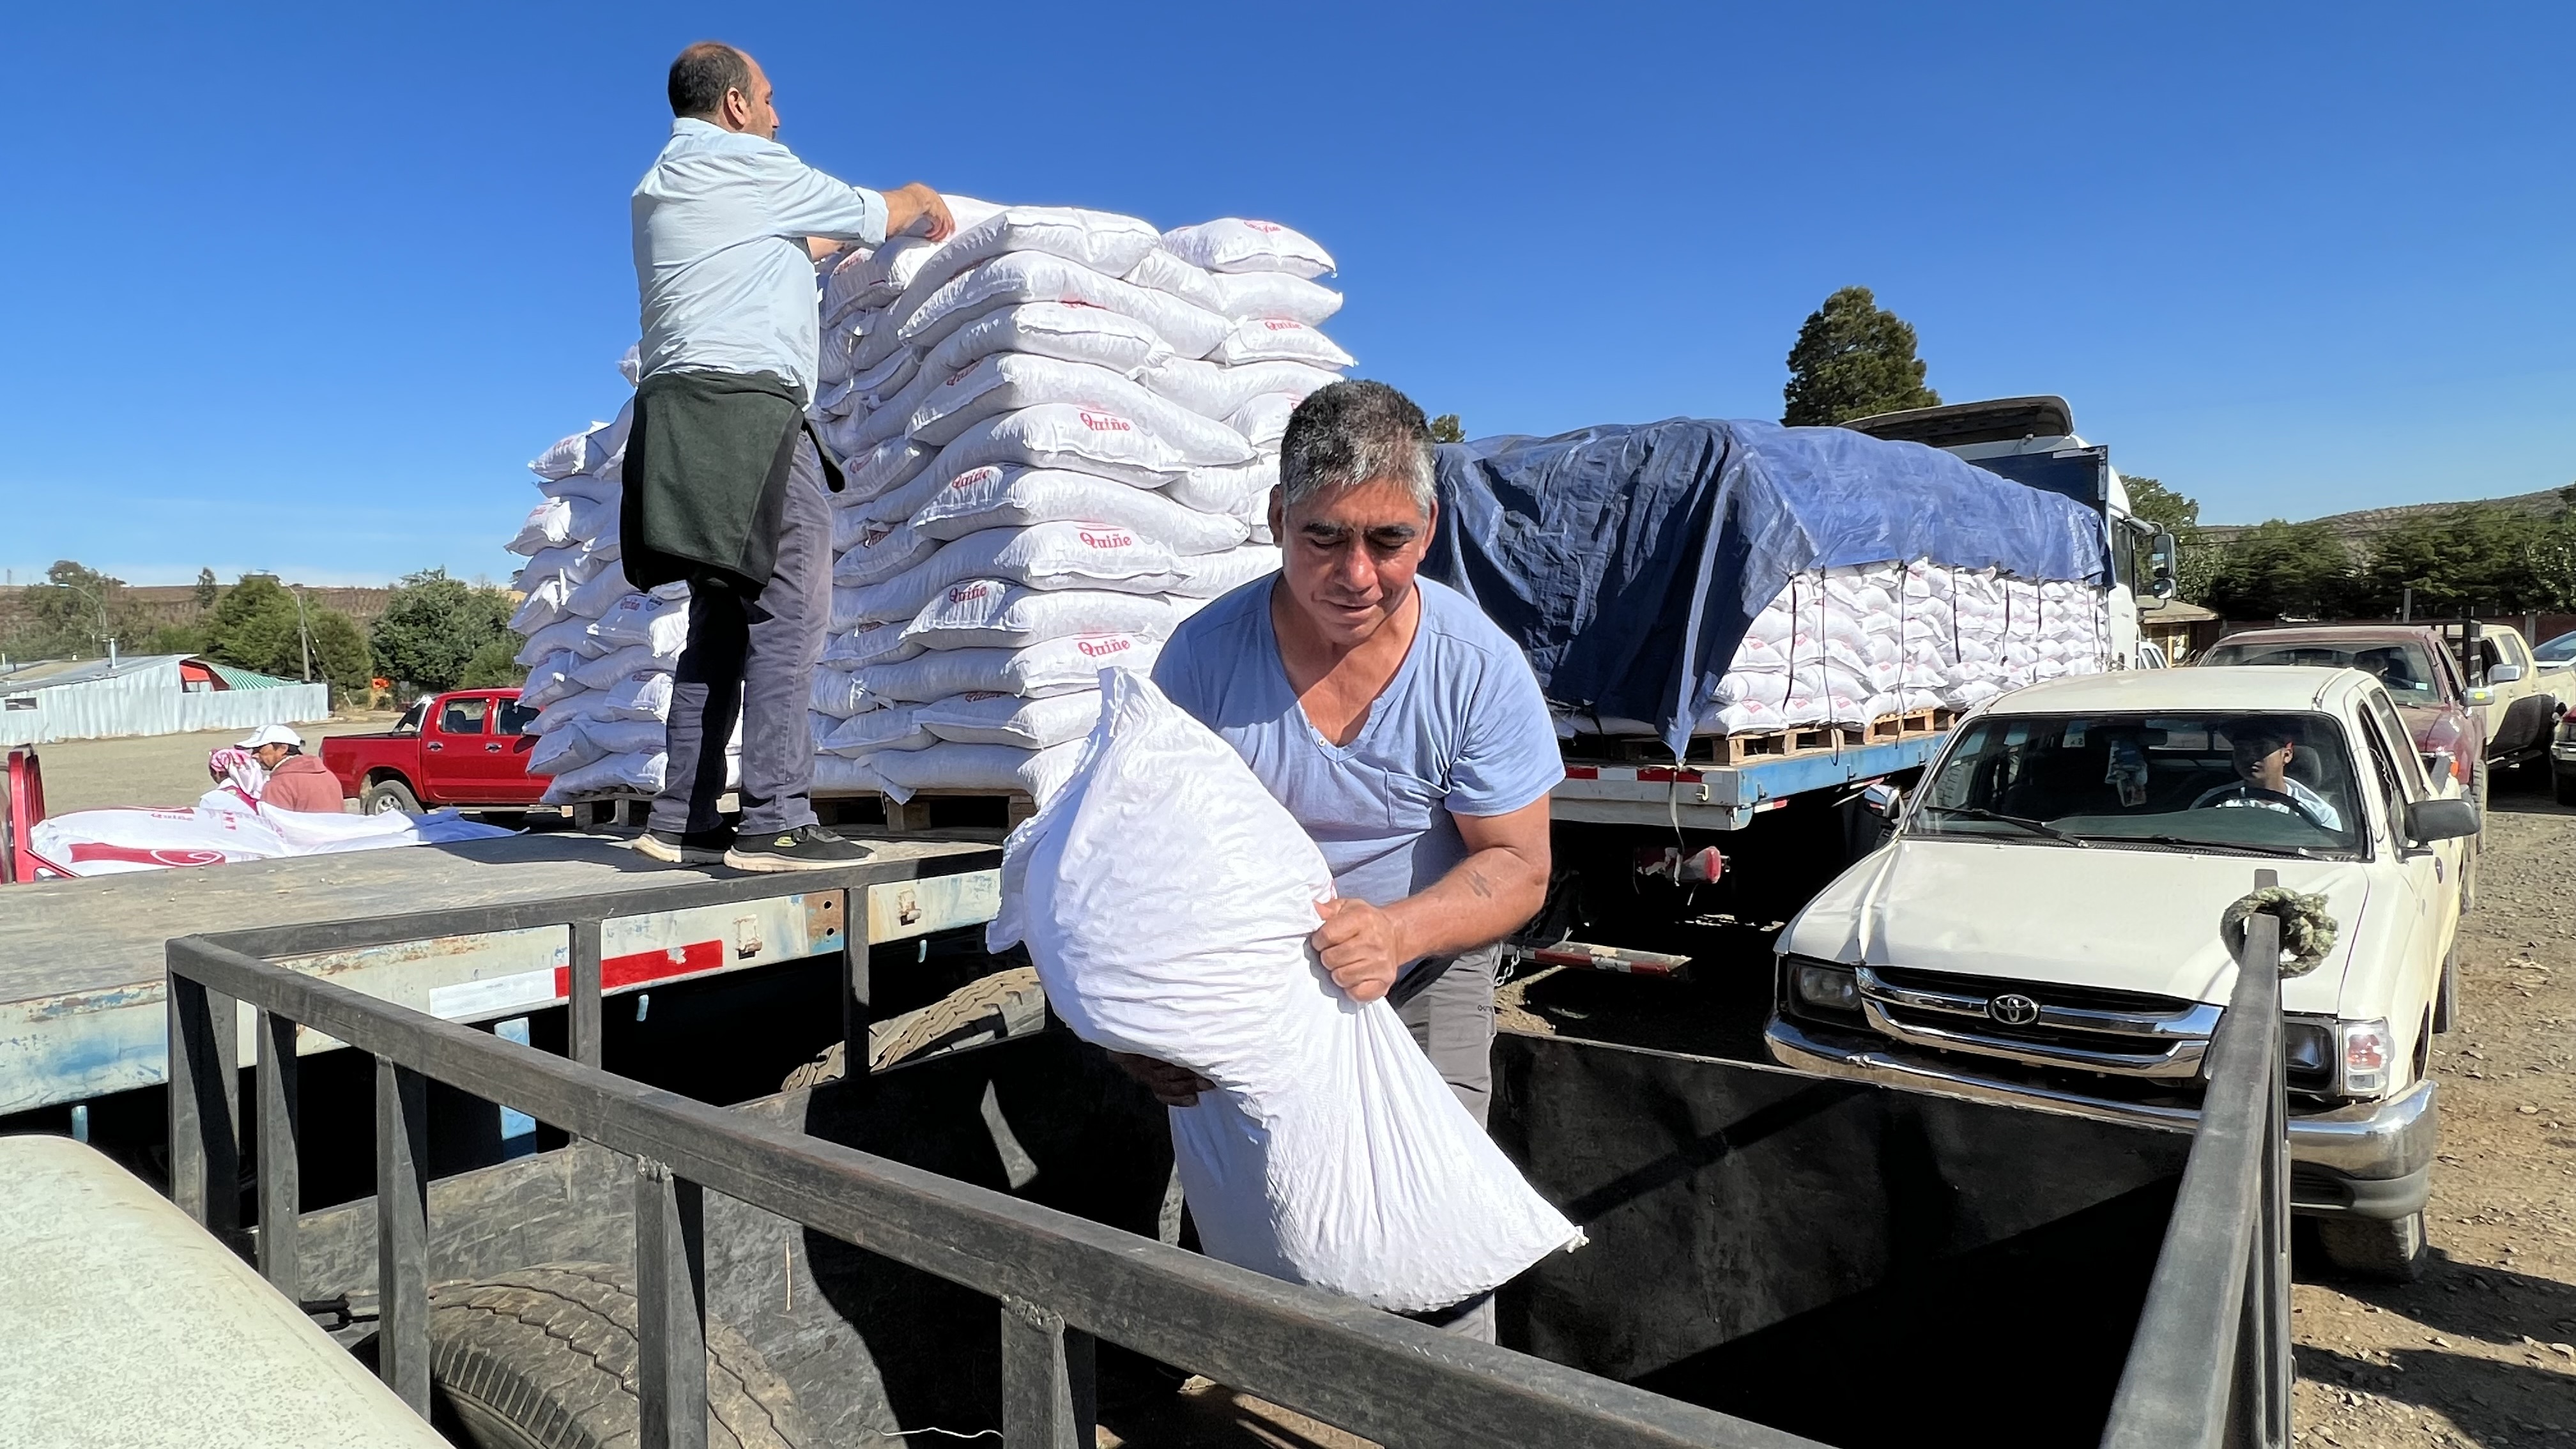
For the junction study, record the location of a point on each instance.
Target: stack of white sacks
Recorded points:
(1847, 646)
(1060, 430)
(598, 653)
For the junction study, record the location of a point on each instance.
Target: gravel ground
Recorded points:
(156, 769)
(2482, 1351)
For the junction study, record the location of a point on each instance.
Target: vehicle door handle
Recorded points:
(433, 747)
(491, 749)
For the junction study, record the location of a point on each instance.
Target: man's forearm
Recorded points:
(1481, 900)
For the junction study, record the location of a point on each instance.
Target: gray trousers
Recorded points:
(751, 657)
(1450, 1011)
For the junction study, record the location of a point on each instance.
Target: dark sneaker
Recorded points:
(697, 847)
(808, 847)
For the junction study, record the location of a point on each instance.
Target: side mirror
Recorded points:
(2431, 820)
(2504, 674)
(2162, 586)
(1885, 799)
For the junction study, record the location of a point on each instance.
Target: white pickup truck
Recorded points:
(2043, 928)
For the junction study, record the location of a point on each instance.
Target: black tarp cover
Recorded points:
(1628, 560)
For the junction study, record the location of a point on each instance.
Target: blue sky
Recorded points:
(302, 288)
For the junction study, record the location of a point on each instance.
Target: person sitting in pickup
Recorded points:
(2264, 750)
(296, 781)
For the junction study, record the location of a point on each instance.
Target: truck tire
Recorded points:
(2446, 995)
(2379, 1249)
(2562, 784)
(386, 797)
(1004, 1004)
(546, 1358)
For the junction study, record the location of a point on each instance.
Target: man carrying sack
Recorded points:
(724, 480)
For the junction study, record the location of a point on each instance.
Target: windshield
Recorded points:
(2560, 650)
(2265, 783)
(2405, 667)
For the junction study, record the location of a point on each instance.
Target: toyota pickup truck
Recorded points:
(2521, 703)
(468, 749)
(2040, 929)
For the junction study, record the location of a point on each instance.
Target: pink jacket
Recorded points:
(301, 782)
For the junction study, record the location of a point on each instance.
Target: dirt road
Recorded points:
(156, 769)
(2482, 1351)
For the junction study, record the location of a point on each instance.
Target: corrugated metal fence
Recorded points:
(148, 700)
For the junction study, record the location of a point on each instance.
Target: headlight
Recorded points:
(1828, 988)
(2368, 1048)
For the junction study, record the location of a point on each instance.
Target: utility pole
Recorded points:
(302, 633)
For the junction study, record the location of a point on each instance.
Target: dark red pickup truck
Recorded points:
(468, 748)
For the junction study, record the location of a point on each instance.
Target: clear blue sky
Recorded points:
(302, 289)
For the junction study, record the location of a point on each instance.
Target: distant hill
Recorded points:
(2362, 525)
(177, 603)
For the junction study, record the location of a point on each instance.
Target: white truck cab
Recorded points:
(2043, 928)
(2032, 440)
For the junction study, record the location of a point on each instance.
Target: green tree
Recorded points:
(259, 624)
(207, 592)
(434, 626)
(494, 666)
(2458, 558)
(2159, 505)
(1852, 358)
(2279, 570)
(73, 614)
(1447, 429)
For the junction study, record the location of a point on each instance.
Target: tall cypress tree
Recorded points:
(1853, 358)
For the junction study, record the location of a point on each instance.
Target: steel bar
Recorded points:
(584, 1025)
(671, 1308)
(1048, 1388)
(205, 1105)
(321, 937)
(1341, 1361)
(281, 1177)
(2186, 1374)
(402, 1231)
(858, 1010)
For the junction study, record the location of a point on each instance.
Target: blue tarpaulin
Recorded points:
(1629, 560)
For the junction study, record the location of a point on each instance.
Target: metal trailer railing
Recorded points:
(2209, 1364)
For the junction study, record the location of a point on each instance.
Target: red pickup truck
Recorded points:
(467, 748)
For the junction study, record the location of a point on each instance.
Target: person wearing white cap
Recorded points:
(296, 781)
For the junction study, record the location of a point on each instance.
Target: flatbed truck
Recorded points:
(840, 1247)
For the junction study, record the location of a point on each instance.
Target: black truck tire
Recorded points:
(385, 797)
(2383, 1250)
(547, 1358)
(1004, 1004)
(2562, 784)
(2446, 994)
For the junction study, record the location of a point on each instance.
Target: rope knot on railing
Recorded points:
(2307, 932)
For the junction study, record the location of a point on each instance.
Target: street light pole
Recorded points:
(303, 633)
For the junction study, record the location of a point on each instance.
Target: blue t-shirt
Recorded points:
(1461, 728)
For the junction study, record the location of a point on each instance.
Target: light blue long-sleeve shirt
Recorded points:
(720, 259)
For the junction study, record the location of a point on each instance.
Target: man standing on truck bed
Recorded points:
(724, 481)
(1400, 727)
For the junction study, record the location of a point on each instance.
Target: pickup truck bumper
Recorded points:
(2371, 1159)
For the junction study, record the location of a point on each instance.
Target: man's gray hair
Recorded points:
(1355, 432)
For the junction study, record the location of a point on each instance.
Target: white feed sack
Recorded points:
(1166, 899)
(1852, 645)
(1042, 471)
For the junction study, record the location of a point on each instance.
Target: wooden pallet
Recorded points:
(1749, 749)
(927, 810)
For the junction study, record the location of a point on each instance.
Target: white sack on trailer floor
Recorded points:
(223, 827)
(1166, 899)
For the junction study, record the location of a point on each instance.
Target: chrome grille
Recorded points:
(2121, 1033)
